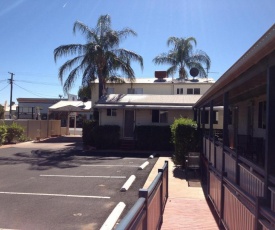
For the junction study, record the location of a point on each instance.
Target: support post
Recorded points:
(270, 124)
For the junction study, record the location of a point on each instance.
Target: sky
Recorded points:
(30, 30)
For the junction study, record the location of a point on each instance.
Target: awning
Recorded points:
(71, 106)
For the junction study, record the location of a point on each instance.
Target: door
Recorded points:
(129, 123)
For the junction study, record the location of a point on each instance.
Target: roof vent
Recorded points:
(160, 75)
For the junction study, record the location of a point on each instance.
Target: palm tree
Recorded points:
(182, 58)
(100, 58)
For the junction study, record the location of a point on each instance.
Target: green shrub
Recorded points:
(14, 132)
(101, 137)
(106, 137)
(87, 131)
(23, 138)
(151, 137)
(185, 138)
(3, 133)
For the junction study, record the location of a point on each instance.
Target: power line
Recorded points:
(40, 83)
(32, 74)
(3, 80)
(4, 87)
(31, 92)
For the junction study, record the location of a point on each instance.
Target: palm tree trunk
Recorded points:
(100, 87)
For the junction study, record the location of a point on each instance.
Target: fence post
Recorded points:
(161, 196)
(167, 181)
(144, 193)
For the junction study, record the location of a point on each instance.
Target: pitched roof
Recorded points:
(147, 101)
(71, 106)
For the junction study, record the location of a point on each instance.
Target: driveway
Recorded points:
(54, 184)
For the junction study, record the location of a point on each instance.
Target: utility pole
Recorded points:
(11, 82)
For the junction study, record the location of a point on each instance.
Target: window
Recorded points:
(135, 91)
(197, 91)
(159, 116)
(262, 115)
(189, 91)
(25, 110)
(194, 91)
(111, 112)
(179, 90)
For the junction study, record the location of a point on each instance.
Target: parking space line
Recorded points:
(108, 177)
(58, 195)
(135, 166)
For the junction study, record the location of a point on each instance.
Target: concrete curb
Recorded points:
(143, 165)
(128, 183)
(113, 217)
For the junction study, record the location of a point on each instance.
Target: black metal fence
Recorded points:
(147, 212)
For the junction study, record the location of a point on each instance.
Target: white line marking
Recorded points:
(112, 165)
(48, 194)
(108, 177)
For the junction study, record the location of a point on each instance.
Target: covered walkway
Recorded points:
(186, 207)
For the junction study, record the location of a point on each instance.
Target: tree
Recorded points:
(100, 58)
(182, 58)
(84, 92)
(2, 111)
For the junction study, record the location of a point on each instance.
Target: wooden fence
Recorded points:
(37, 128)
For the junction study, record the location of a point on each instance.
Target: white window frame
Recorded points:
(111, 112)
(179, 90)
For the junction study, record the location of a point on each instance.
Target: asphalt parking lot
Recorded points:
(56, 185)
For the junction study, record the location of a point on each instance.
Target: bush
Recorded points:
(101, 137)
(3, 133)
(106, 136)
(151, 137)
(185, 138)
(87, 132)
(14, 132)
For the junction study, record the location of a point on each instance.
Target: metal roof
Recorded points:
(147, 100)
(166, 80)
(71, 106)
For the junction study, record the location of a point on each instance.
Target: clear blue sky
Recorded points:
(31, 29)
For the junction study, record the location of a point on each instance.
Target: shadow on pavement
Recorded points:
(62, 139)
(71, 155)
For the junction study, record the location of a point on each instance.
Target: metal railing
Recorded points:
(147, 212)
(237, 189)
(250, 182)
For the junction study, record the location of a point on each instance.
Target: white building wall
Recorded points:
(142, 117)
(158, 88)
(242, 119)
(111, 120)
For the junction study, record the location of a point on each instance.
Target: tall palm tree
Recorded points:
(100, 58)
(182, 57)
